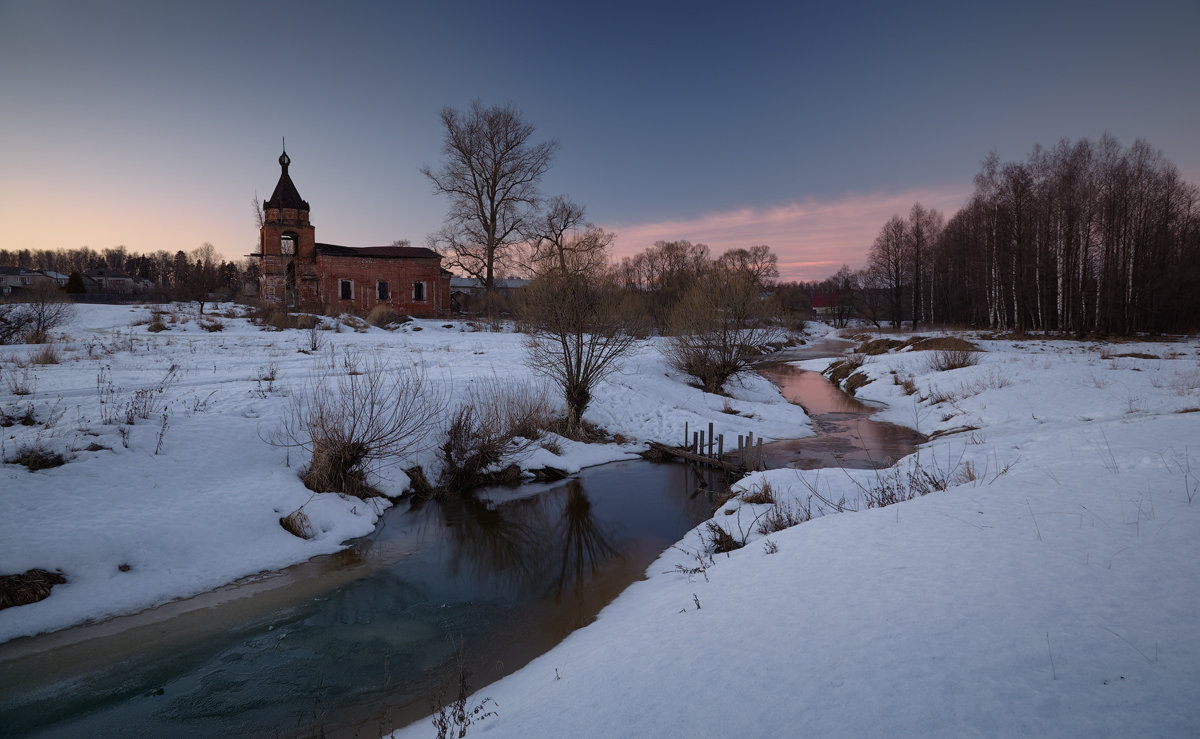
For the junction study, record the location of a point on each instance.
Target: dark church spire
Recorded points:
(285, 195)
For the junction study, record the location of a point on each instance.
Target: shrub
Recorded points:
(719, 328)
(212, 325)
(353, 424)
(496, 418)
(949, 359)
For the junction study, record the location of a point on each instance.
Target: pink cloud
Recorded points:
(812, 238)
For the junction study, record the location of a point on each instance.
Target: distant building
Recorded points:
(466, 293)
(297, 271)
(15, 280)
(109, 282)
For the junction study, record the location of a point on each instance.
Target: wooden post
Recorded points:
(685, 434)
(710, 439)
(721, 446)
(759, 465)
(741, 450)
(695, 441)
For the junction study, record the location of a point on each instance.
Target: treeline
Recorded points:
(183, 275)
(1085, 237)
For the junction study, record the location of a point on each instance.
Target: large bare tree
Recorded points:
(490, 174)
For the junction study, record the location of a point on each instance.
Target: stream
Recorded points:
(368, 639)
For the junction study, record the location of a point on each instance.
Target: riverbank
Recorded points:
(188, 497)
(1044, 585)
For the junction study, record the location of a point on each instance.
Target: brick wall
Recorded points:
(365, 274)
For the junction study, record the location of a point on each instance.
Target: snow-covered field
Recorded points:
(154, 513)
(1051, 588)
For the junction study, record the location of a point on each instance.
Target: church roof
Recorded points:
(378, 252)
(285, 195)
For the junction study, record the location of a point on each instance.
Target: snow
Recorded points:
(134, 524)
(1049, 589)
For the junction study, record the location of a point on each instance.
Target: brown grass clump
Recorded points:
(721, 540)
(156, 325)
(855, 381)
(940, 343)
(950, 359)
(878, 346)
(384, 316)
(764, 494)
(38, 458)
(48, 354)
(297, 523)
(842, 369)
(28, 587)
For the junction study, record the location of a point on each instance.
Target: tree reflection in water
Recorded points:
(584, 542)
(545, 543)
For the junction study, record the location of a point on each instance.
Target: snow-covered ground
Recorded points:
(1051, 589)
(190, 498)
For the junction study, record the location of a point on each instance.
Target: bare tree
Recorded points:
(490, 174)
(579, 327)
(719, 328)
(888, 260)
(759, 262)
(561, 238)
(45, 308)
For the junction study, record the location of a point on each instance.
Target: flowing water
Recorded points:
(364, 640)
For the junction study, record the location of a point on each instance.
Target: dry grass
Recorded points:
(943, 360)
(763, 494)
(47, 354)
(720, 540)
(784, 515)
(940, 343)
(28, 587)
(384, 316)
(37, 457)
(873, 347)
(298, 524)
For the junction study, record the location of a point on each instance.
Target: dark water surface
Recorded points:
(363, 640)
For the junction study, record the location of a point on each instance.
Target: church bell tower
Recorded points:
(287, 243)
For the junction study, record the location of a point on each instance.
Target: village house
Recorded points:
(16, 280)
(299, 272)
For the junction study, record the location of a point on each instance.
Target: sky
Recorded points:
(803, 126)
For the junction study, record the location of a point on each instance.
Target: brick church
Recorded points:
(299, 272)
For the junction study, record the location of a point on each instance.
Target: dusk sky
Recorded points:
(798, 125)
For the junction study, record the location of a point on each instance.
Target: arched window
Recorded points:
(287, 244)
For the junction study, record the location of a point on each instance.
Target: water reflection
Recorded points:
(509, 573)
(846, 436)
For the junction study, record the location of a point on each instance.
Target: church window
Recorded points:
(287, 244)
(347, 290)
(382, 290)
(418, 291)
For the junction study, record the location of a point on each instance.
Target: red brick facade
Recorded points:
(299, 272)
